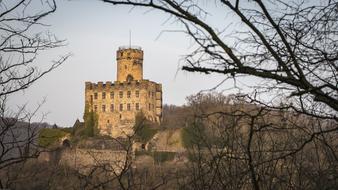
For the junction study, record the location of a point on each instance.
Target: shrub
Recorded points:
(191, 135)
(90, 122)
(144, 129)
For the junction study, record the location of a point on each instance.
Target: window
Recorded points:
(91, 98)
(103, 108)
(95, 108)
(137, 93)
(121, 94)
(103, 95)
(128, 94)
(149, 106)
(153, 94)
(111, 95)
(121, 107)
(130, 78)
(128, 107)
(95, 95)
(137, 106)
(149, 94)
(112, 108)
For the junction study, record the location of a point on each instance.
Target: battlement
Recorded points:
(120, 85)
(130, 47)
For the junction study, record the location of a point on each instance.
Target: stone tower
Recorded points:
(117, 103)
(129, 64)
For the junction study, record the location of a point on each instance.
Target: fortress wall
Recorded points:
(105, 99)
(84, 160)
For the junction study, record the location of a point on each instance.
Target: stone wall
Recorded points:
(169, 140)
(84, 160)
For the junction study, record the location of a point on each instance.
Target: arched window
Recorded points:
(130, 78)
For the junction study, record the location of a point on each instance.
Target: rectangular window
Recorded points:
(128, 94)
(95, 95)
(111, 95)
(149, 94)
(112, 108)
(95, 108)
(103, 108)
(128, 107)
(137, 106)
(103, 95)
(121, 94)
(121, 107)
(149, 106)
(137, 93)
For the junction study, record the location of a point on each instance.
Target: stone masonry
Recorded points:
(117, 103)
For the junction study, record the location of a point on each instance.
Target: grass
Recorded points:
(49, 136)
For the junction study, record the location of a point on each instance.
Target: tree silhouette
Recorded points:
(20, 44)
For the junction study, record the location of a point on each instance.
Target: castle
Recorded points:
(116, 104)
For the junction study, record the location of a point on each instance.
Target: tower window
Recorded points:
(112, 108)
(95, 108)
(130, 78)
(128, 94)
(121, 94)
(103, 95)
(137, 105)
(128, 107)
(95, 95)
(111, 95)
(121, 107)
(103, 108)
(137, 93)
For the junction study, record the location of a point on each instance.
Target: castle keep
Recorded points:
(117, 103)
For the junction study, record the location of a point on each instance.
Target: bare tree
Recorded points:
(245, 146)
(22, 39)
(292, 45)
(290, 48)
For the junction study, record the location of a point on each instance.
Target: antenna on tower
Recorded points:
(129, 38)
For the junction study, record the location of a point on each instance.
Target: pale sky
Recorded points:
(94, 31)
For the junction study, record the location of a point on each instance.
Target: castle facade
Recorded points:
(117, 103)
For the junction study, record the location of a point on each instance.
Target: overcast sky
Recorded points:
(94, 31)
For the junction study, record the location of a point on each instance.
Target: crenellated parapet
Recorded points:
(101, 86)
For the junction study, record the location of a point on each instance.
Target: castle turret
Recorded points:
(129, 64)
